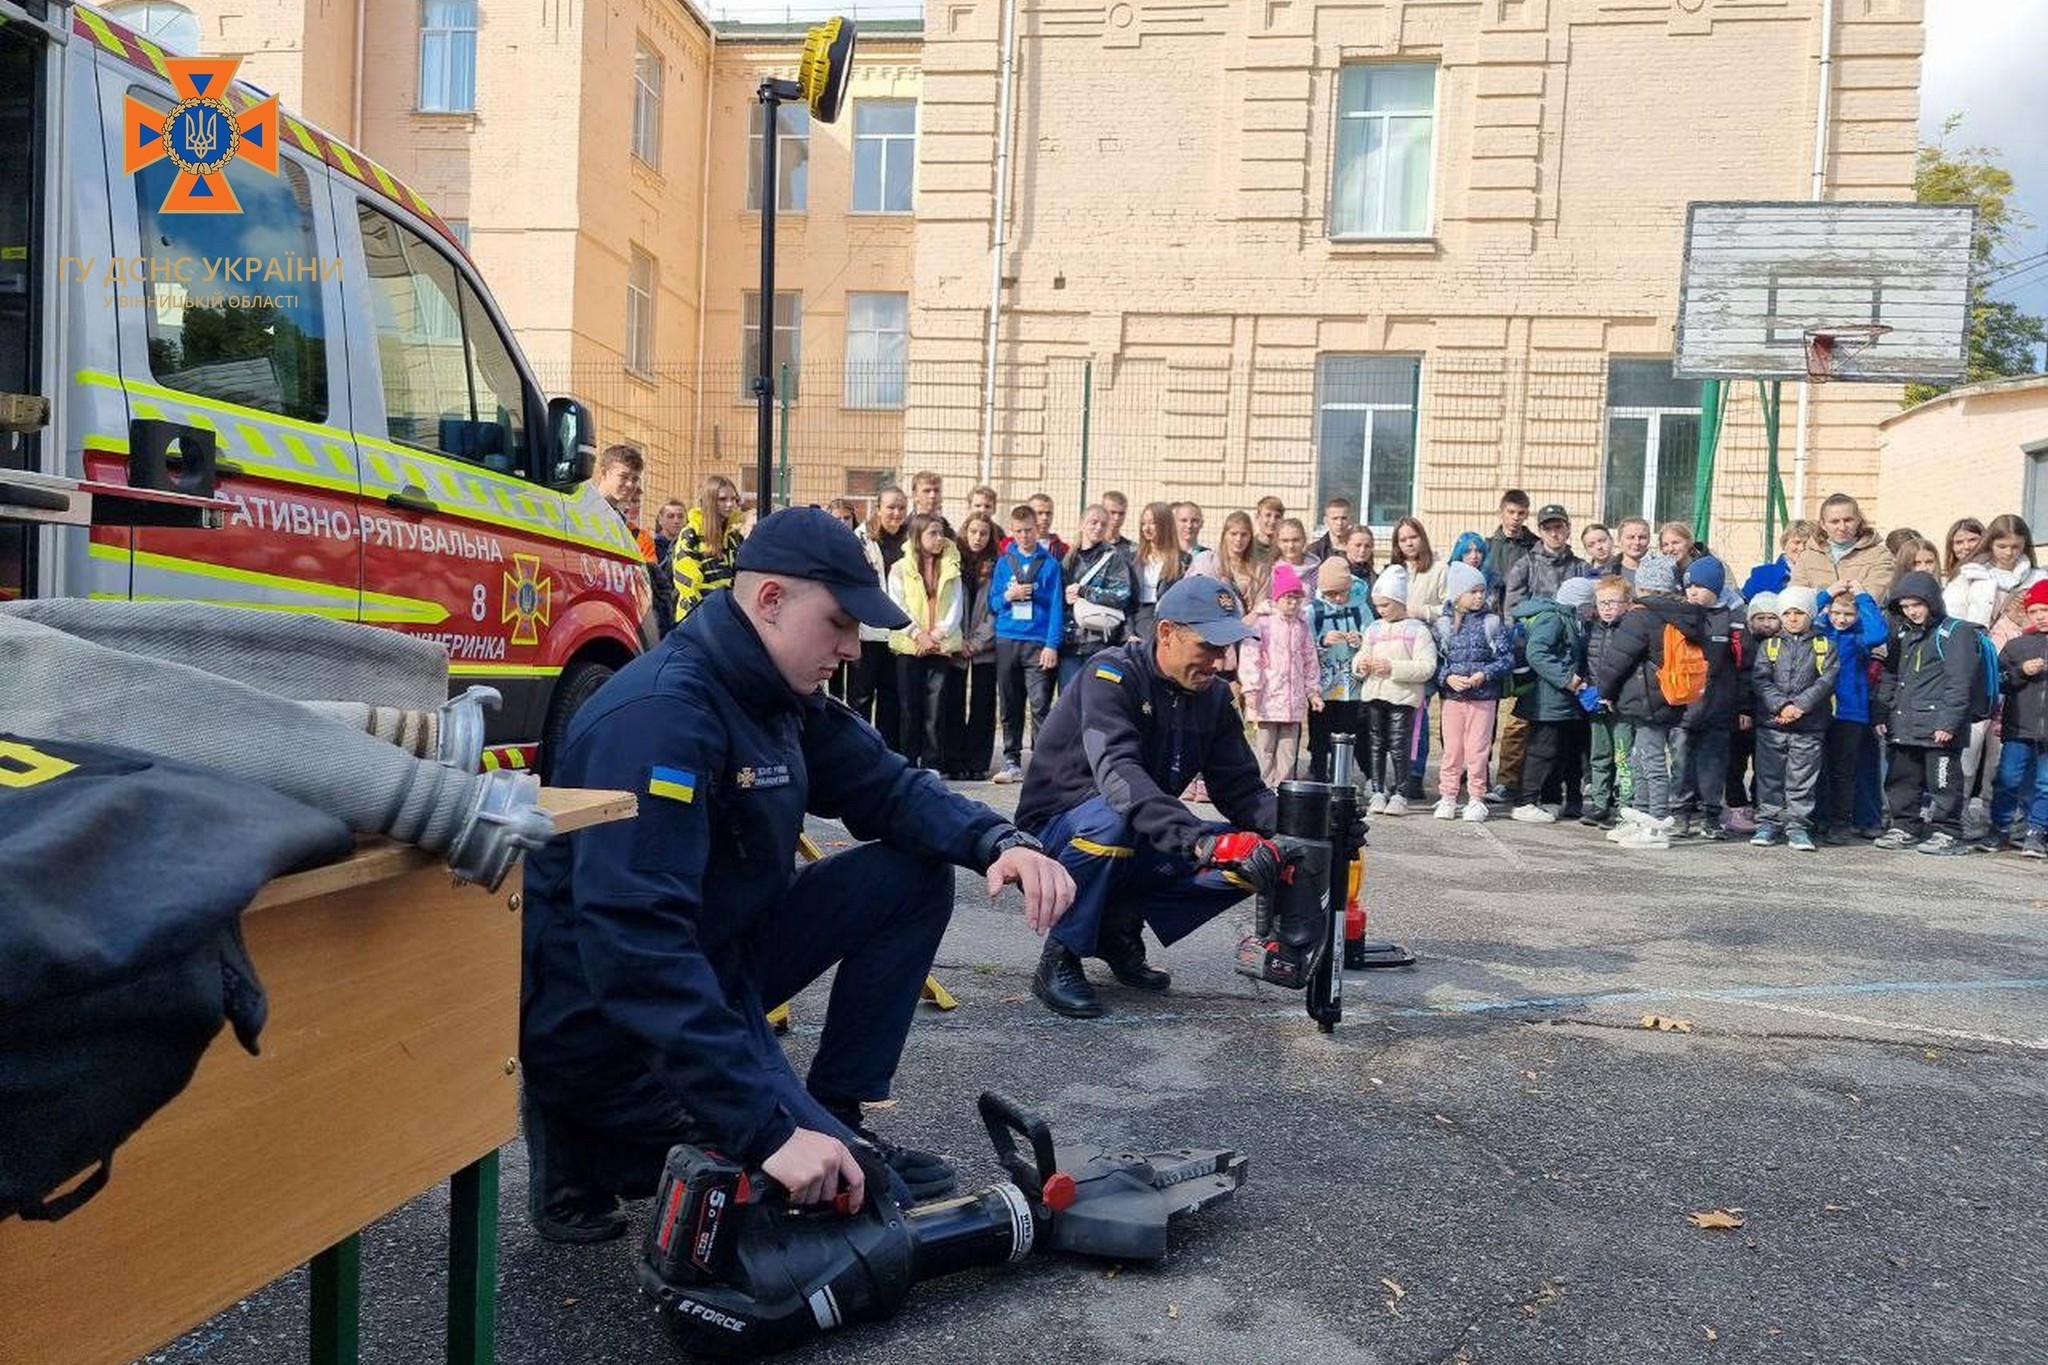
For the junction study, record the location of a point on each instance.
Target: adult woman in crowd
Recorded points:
(1776, 575)
(1160, 564)
(1632, 538)
(1359, 552)
(1235, 560)
(872, 692)
(705, 545)
(973, 744)
(1098, 588)
(1849, 551)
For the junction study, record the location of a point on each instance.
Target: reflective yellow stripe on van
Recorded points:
(463, 489)
(155, 55)
(314, 597)
(298, 131)
(504, 671)
(108, 39)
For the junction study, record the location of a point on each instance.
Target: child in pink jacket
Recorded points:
(1280, 675)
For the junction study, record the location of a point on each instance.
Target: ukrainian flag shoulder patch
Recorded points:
(1108, 673)
(672, 784)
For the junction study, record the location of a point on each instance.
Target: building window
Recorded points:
(173, 28)
(448, 57)
(1653, 442)
(437, 318)
(877, 336)
(1386, 151)
(640, 312)
(789, 325)
(2034, 489)
(1365, 433)
(864, 488)
(793, 164)
(884, 155)
(647, 69)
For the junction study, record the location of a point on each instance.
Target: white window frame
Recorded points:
(647, 103)
(643, 278)
(889, 150)
(172, 27)
(750, 342)
(756, 120)
(2034, 486)
(1652, 416)
(447, 38)
(1411, 411)
(1427, 231)
(869, 383)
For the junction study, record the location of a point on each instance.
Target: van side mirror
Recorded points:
(572, 443)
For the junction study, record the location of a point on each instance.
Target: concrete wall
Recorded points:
(1963, 454)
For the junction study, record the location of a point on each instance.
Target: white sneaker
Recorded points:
(1649, 834)
(1630, 818)
(1447, 809)
(1378, 804)
(1475, 812)
(1008, 773)
(1533, 814)
(1397, 804)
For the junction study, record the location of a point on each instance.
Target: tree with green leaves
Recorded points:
(2002, 338)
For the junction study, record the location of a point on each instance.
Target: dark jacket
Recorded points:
(1554, 645)
(1725, 682)
(1503, 552)
(1540, 573)
(1599, 640)
(2024, 698)
(636, 988)
(1853, 649)
(1932, 668)
(1796, 670)
(1112, 586)
(1481, 643)
(1138, 739)
(1628, 669)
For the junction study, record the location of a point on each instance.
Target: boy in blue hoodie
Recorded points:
(1854, 626)
(1029, 602)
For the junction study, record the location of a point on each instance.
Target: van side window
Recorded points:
(450, 383)
(231, 301)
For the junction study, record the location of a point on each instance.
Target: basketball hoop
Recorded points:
(1828, 349)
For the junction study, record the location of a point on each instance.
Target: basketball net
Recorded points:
(1828, 349)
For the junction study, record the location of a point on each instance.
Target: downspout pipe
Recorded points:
(999, 238)
(1816, 191)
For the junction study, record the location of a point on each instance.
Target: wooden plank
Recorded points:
(378, 859)
(386, 1066)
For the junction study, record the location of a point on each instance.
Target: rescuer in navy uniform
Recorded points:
(1143, 721)
(655, 946)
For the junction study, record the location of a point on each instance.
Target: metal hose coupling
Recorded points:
(504, 820)
(461, 723)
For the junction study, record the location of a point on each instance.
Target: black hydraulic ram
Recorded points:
(1298, 938)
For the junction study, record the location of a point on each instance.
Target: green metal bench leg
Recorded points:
(473, 1263)
(338, 1303)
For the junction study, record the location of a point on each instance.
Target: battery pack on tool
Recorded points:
(696, 1216)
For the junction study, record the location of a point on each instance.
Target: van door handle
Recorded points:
(412, 498)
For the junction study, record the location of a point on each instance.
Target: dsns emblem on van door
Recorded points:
(201, 135)
(528, 600)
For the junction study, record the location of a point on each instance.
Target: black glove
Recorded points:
(1241, 856)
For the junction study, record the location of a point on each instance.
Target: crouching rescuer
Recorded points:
(654, 947)
(1143, 721)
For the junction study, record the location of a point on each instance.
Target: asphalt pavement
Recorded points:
(1493, 1159)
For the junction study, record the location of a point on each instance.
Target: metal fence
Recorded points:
(1438, 436)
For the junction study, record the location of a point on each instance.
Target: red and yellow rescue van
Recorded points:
(193, 277)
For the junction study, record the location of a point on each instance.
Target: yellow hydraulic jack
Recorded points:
(933, 994)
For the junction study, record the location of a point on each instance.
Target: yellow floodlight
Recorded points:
(827, 67)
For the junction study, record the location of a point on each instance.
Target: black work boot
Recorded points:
(565, 1199)
(1121, 943)
(1062, 985)
(927, 1175)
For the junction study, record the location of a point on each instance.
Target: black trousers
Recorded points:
(1018, 676)
(1841, 752)
(1388, 739)
(921, 694)
(872, 690)
(1937, 771)
(1336, 718)
(1741, 750)
(1554, 764)
(973, 745)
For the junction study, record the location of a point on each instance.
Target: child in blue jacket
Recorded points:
(1853, 627)
(1029, 600)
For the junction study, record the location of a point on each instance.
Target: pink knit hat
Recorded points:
(1286, 579)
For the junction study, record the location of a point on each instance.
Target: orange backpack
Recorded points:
(1682, 677)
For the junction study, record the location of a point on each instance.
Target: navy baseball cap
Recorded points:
(809, 542)
(1209, 607)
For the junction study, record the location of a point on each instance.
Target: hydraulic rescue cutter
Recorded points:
(736, 1271)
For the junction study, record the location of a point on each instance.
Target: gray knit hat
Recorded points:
(1657, 573)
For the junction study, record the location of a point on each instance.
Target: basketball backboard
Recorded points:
(1759, 276)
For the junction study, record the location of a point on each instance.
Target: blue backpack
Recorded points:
(1984, 688)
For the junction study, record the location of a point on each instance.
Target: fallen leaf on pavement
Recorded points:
(1712, 1335)
(1397, 1291)
(1012, 1000)
(1528, 1075)
(1715, 1218)
(1173, 1310)
(879, 1104)
(1448, 1123)
(570, 1303)
(1110, 1273)
(1663, 1025)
